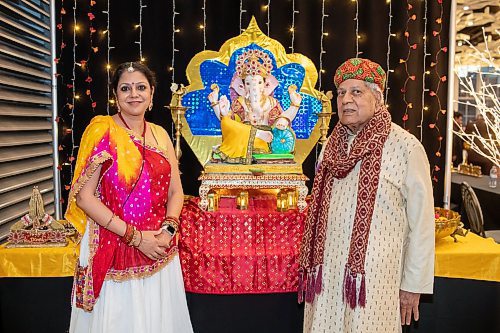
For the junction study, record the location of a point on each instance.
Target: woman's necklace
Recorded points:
(123, 120)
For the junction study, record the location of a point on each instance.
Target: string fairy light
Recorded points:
(86, 64)
(174, 31)
(322, 50)
(241, 14)
(405, 61)
(204, 26)
(435, 93)
(356, 18)
(389, 70)
(268, 8)
(292, 29)
(58, 61)
(108, 54)
(74, 95)
(60, 26)
(139, 26)
(425, 72)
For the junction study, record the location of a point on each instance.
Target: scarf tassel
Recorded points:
(310, 284)
(350, 295)
(310, 287)
(362, 292)
(319, 280)
(301, 286)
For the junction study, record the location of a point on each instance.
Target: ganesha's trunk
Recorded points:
(254, 98)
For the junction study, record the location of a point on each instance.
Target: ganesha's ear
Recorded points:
(271, 84)
(238, 85)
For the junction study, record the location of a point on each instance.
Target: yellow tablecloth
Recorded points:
(472, 257)
(38, 262)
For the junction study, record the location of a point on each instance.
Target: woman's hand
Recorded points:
(164, 239)
(151, 246)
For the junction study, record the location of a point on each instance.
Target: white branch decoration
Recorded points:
(487, 105)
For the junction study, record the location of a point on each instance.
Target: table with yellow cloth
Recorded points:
(466, 288)
(38, 262)
(35, 288)
(471, 257)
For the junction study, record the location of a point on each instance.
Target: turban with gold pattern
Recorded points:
(360, 69)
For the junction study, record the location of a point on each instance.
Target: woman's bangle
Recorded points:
(140, 242)
(109, 221)
(129, 234)
(214, 103)
(135, 237)
(172, 220)
(293, 104)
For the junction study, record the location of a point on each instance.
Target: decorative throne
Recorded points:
(278, 171)
(243, 232)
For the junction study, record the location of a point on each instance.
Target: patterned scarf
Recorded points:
(338, 163)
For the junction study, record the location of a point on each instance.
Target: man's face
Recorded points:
(356, 104)
(459, 120)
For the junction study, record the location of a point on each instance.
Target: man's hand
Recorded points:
(408, 303)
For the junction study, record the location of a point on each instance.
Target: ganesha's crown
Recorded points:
(253, 62)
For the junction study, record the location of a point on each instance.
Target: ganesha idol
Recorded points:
(248, 123)
(251, 107)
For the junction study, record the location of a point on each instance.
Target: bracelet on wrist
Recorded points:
(109, 221)
(136, 240)
(172, 220)
(129, 234)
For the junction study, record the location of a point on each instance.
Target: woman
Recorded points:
(125, 201)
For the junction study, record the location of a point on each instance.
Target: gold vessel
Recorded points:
(447, 223)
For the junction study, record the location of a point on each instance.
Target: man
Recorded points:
(368, 247)
(479, 128)
(457, 154)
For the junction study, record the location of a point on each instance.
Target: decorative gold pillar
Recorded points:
(324, 116)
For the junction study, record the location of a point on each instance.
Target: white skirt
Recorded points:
(154, 304)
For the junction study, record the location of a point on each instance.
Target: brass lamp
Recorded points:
(292, 199)
(282, 201)
(178, 112)
(213, 202)
(242, 200)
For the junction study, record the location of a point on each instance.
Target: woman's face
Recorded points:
(133, 93)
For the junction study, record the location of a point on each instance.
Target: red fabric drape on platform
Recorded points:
(240, 252)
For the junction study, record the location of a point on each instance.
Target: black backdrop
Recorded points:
(223, 22)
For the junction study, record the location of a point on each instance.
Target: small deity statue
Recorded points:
(247, 123)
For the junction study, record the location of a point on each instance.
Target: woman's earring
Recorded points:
(150, 106)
